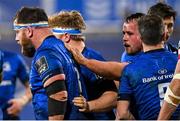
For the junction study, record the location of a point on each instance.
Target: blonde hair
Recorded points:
(67, 19)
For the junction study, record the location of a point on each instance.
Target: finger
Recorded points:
(13, 112)
(78, 101)
(78, 98)
(10, 111)
(82, 110)
(79, 105)
(10, 101)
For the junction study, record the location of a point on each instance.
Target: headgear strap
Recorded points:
(70, 31)
(39, 24)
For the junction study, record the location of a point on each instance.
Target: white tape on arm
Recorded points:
(177, 76)
(171, 98)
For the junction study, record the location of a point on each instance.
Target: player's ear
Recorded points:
(29, 32)
(67, 38)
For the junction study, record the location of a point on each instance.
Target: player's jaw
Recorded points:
(27, 47)
(128, 49)
(28, 50)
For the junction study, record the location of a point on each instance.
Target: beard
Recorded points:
(28, 50)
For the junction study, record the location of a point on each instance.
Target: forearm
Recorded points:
(28, 95)
(123, 112)
(57, 117)
(124, 115)
(109, 70)
(104, 103)
(166, 111)
(127, 116)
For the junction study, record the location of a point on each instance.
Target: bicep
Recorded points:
(175, 87)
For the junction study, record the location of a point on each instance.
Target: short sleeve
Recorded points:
(48, 64)
(125, 89)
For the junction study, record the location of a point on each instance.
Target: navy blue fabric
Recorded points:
(146, 80)
(96, 85)
(53, 54)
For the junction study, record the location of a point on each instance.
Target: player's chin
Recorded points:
(128, 50)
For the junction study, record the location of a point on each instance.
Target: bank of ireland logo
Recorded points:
(162, 71)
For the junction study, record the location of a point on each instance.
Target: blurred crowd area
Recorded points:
(104, 19)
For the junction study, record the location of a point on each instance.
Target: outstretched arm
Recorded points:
(109, 70)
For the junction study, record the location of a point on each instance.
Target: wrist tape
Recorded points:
(171, 98)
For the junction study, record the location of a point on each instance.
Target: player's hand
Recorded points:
(16, 106)
(81, 103)
(76, 54)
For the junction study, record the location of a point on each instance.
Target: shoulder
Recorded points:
(172, 48)
(169, 54)
(129, 68)
(44, 53)
(51, 43)
(135, 64)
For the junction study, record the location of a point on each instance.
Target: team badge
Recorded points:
(162, 71)
(41, 65)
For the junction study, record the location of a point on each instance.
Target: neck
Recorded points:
(152, 47)
(40, 35)
(77, 44)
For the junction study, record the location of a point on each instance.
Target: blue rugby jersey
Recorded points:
(50, 59)
(96, 86)
(146, 80)
(129, 58)
(171, 48)
(1, 61)
(14, 67)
